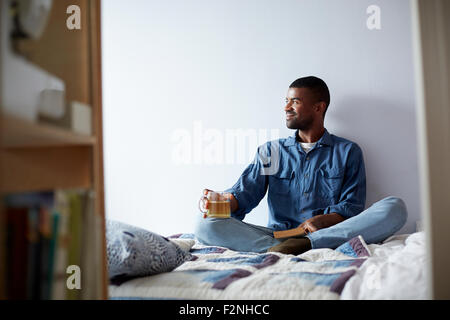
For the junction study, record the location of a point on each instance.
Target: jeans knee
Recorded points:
(207, 229)
(398, 214)
(201, 229)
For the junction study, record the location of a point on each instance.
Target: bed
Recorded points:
(394, 269)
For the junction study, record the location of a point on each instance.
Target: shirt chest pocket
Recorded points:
(281, 182)
(330, 181)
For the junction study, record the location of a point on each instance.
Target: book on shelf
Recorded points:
(62, 245)
(26, 247)
(75, 229)
(46, 233)
(33, 254)
(92, 262)
(17, 253)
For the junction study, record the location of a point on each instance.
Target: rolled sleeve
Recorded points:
(250, 188)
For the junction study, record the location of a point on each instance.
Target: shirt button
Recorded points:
(307, 158)
(306, 175)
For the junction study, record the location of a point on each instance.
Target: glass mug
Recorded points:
(219, 204)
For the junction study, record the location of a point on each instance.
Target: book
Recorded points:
(33, 254)
(91, 264)
(29, 232)
(46, 232)
(17, 253)
(29, 200)
(299, 231)
(44, 236)
(59, 276)
(23, 214)
(75, 239)
(54, 220)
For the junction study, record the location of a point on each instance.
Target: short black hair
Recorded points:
(317, 85)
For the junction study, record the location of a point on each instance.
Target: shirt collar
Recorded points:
(324, 140)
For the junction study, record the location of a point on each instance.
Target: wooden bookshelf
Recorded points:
(2, 211)
(42, 157)
(18, 133)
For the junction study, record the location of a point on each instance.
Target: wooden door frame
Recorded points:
(96, 101)
(431, 40)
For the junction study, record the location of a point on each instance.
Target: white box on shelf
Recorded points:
(81, 118)
(52, 103)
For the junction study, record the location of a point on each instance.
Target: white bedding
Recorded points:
(396, 269)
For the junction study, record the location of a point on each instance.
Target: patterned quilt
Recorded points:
(220, 273)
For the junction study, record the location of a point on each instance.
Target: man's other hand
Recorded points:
(321, 221)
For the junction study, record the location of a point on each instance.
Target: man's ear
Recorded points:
(320, 106)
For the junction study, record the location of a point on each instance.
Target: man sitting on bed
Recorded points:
(320, 185)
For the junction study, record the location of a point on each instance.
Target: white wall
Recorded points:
(175, 68)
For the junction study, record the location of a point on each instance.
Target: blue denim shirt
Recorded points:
(329, 178)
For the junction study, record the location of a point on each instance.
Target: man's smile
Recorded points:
(290, 115)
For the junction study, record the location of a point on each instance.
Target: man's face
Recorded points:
(300, 113)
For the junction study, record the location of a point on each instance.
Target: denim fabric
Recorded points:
(374, 224)
(329, 178)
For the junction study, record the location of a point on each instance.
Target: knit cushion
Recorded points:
(135, 252)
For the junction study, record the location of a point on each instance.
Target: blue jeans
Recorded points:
(374, 224)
